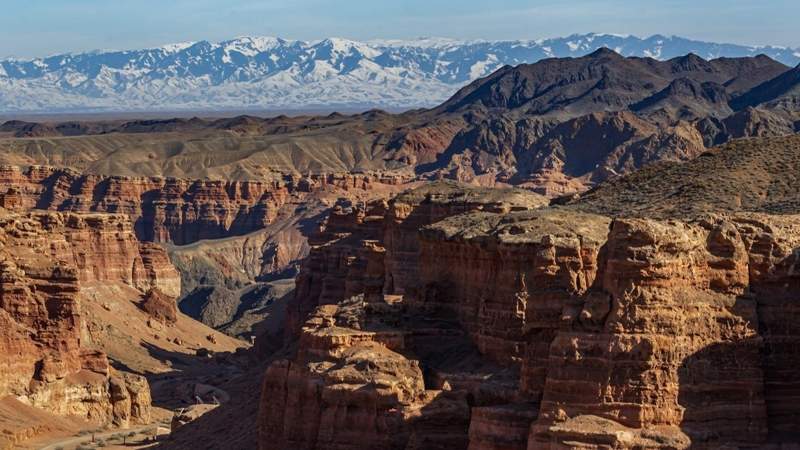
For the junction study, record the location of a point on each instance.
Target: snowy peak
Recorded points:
(270, 72)
(175, 48)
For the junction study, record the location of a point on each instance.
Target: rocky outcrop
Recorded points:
(350, 387)
(104, 247)
(511, 284)
(160, 306)
(44, 258)
(673, 294)
(373, 247)
(540, 328)
(130, 399)
(189, 415)
(156, 271)
(337, 269)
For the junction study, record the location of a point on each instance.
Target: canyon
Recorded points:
(179, 211)
(261, 222)
(89, 291)
(81, 298)
(583, 253)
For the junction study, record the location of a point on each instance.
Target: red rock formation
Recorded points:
(11, 199)
(104, 247)
(349, 257)
(349, 387)
(624, 333)
(155, 271)
(501, 427)
(512, 286)
(339, 268)
(100, 247)
(43, 259)
(675, 293)
(130, 397)
(160, 306)
(169, 209)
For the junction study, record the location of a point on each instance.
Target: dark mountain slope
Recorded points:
(783, 90)
(602, 81)
(687, 99)
(747, 73)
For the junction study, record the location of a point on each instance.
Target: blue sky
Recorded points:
(43, 27)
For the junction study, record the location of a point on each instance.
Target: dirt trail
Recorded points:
(68, 443)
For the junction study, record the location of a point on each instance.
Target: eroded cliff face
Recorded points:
(542, 328)
(347, 388)
(104, 247)
(44, 258)
(632, 375)
(373, 248)
(170, 209)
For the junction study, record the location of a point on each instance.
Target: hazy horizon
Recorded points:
(47, 27)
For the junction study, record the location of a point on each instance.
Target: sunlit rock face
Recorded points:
(542, 327)
(44, 258)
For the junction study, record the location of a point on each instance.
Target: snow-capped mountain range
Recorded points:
(273, 73)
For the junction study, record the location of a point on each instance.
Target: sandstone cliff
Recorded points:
(360, 245)
(496, 325)
(44, 259)
(233, 284)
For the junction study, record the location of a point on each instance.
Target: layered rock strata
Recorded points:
(544, 328)
(170, 209)
(44, 258)
(351, 387)
(374, 248)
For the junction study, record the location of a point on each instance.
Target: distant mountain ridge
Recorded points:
(273, 73)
